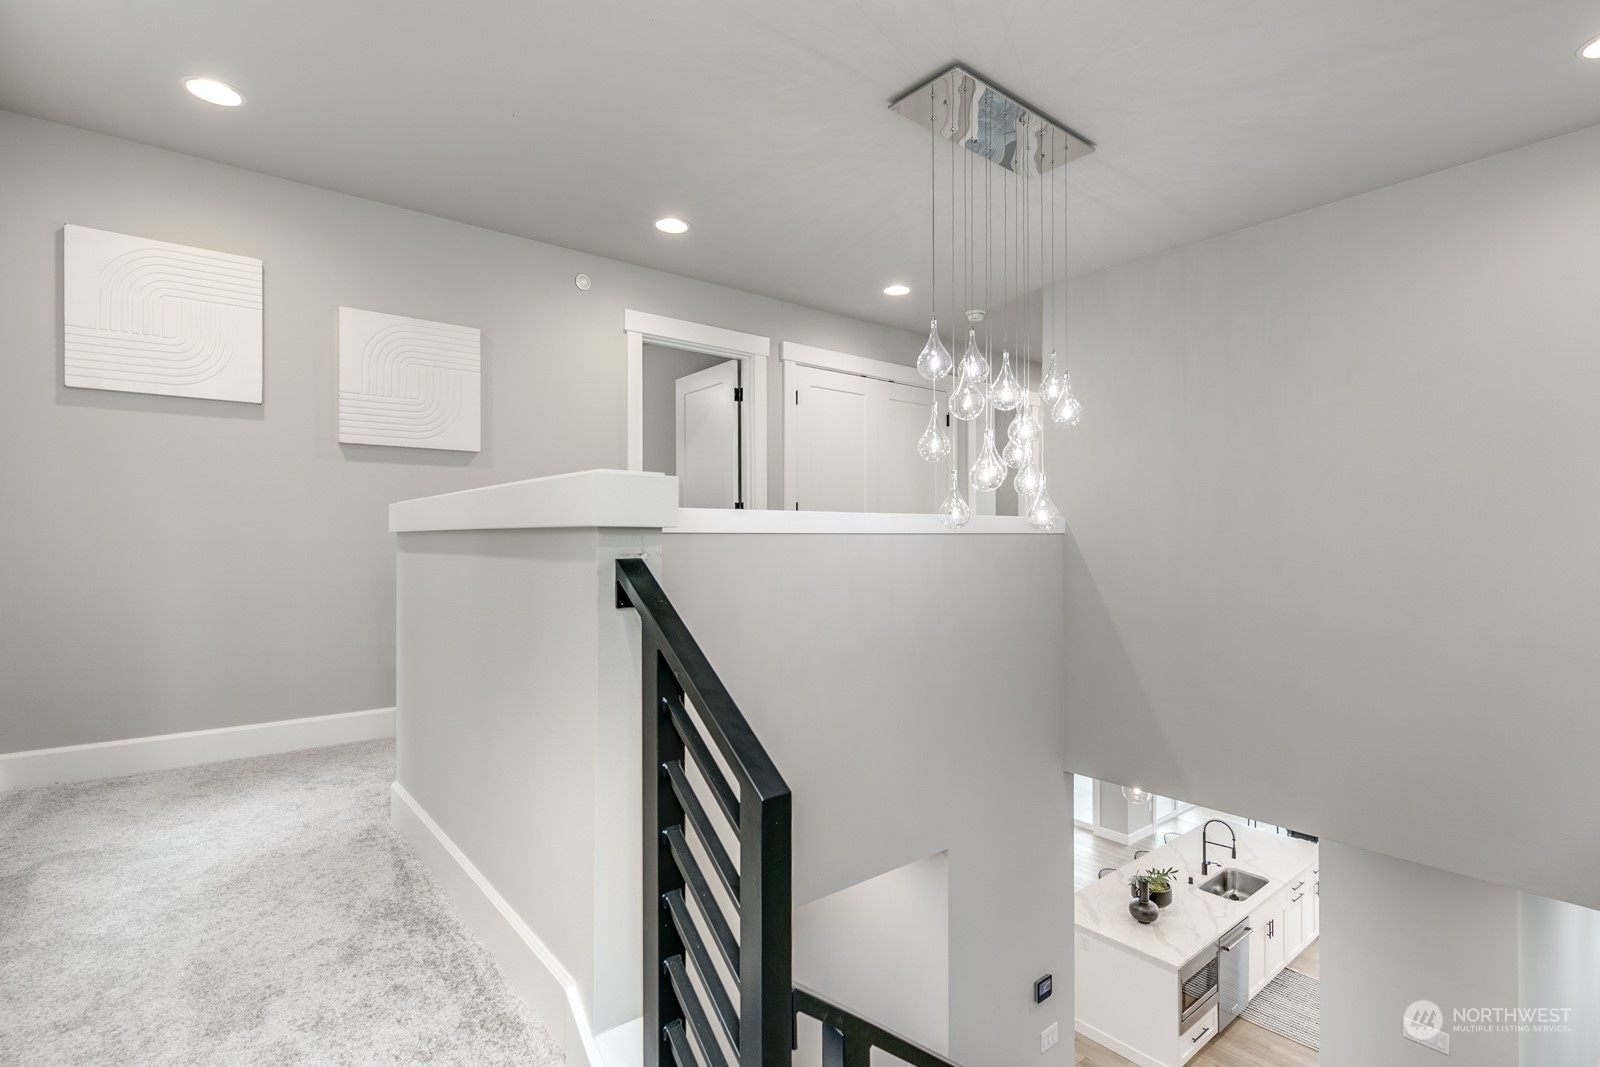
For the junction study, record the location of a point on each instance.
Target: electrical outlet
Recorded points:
(1049, 1036)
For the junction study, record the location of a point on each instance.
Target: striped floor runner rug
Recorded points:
(1289, 1006)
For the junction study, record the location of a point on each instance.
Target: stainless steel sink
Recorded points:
(1233, 884)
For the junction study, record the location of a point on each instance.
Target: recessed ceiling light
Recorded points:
(896, 290)
(1591, 50)
(213, 91)
(672, 225)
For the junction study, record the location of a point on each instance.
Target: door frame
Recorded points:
(754, 352)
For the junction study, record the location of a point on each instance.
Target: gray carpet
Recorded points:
(1289, 1005)
(250, 913)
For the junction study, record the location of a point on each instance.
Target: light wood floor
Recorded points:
(1090, 854)
(1244, 1044)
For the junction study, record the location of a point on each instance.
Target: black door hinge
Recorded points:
(738, 394)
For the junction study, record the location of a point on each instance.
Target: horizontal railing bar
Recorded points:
(695, 879)
(727, 799)
(678, 1042)
(857, 1028)
(709, 978)
(695, 1012)
(696, 814)
(732, 734)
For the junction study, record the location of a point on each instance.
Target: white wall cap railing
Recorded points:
(646, 500)
(599, 498)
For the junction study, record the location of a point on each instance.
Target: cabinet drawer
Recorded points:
(1195, 1039)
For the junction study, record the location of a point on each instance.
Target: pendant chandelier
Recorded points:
(1002, 189)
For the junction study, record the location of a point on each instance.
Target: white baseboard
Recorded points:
(547, 987)
(135, 755)
(1112, 835)
(1126, 1051)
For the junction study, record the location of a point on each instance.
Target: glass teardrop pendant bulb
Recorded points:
(955, 511)
(988, 470)
(966, 403)
(1005, 393)
(934, 361)
(1024, 427)
(1067, 409)
(1016, 453)
(1054, 384)
(973, 366)
(1027, 483)
(934, 444)
(1042, 513)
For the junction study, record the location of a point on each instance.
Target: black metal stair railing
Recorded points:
(848, 1039)
(736, 1007)
(739, 1007)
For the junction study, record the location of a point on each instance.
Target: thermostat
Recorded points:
(1043, 988)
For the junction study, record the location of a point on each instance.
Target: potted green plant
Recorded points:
(1160, 881)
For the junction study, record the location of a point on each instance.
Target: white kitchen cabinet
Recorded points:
(1316, 903)
(1199, 1035)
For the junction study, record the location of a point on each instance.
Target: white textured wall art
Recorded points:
(407, 382)
(145, 316)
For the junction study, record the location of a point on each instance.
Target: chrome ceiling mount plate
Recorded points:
(971, 111)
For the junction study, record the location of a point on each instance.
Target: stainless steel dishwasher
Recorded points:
(1233, 974)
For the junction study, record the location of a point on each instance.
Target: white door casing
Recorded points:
(707, 436)
(752, 352)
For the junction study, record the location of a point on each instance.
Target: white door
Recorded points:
(851, 444)
(708, 437)
(825, 435)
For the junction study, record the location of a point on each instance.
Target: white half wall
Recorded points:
(908, 722)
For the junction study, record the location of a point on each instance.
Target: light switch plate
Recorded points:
(1049, 1036)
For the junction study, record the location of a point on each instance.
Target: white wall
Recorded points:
(881, 948)
(177, 564)
(1559, 964)
(1394, 933)
(908, 720)
(1333, 509)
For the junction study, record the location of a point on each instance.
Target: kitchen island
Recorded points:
(1130, 978)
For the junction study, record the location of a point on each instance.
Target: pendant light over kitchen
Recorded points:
(1022, 150)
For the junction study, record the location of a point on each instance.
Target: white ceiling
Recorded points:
(764, 122)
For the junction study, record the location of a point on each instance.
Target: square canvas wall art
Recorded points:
(145, 316)
(408, 382)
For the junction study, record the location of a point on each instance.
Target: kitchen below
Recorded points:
(1196, 951)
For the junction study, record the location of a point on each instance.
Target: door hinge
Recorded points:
(797, 396)
(738, 394)
(947, 418)
(738, 505)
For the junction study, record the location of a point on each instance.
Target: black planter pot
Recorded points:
(1162, 899)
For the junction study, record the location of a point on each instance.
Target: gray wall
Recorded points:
(1334, 506)
(1559, 964)
(883, 947)
(876, 691)
(662, 369)
(1394, 933)
(175, 564)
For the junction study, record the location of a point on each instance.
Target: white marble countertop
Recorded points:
(1193, 919)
